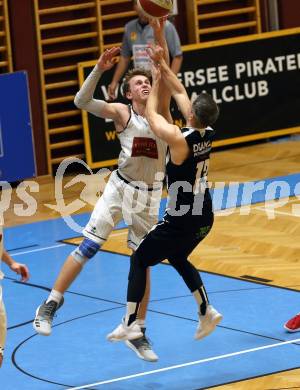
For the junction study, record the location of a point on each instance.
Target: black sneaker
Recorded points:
(44, 316)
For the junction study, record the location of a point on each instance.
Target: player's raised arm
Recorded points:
(159, 125)
(84, 97)
(158, 26)
(121, 68)
(175, 86)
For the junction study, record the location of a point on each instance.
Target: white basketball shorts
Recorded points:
(122, 201)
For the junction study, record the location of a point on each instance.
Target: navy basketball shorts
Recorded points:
(169, 241)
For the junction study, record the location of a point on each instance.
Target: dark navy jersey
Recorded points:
(189, 200)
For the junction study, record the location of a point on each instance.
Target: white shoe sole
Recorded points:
(291, 330)
(215, 321)
(134, 349)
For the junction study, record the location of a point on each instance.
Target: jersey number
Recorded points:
(201, 176)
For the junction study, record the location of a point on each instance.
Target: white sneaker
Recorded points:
(208, 322)
(44, 315)
(124, 332)
(142, 347)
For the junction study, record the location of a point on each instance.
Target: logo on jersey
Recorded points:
(133, 36)
(144, 147)
(201, 148)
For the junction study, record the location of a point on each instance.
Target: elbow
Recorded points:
(78, 101)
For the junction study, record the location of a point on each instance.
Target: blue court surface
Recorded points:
(249, 342)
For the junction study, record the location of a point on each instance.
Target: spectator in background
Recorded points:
(18, 268)
(138, 34)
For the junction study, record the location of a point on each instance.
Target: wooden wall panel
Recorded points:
(69, 33)
(210, 20)
(5, 44)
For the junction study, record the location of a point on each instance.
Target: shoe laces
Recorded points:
(47, 310)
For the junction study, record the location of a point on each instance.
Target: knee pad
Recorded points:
(85, 251)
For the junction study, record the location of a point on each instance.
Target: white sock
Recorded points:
(201, 300)
(131, 313)
(55, 296)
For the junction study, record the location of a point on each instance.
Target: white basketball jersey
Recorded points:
(143, 154)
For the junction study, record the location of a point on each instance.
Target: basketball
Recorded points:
(155, 8)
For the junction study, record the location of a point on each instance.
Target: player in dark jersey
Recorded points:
(189, 214)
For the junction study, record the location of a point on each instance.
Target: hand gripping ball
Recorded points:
(156, 8)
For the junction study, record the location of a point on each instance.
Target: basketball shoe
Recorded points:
(142, 347)
(207, 322)
(125, 332)
(293, 325)
(44, 316)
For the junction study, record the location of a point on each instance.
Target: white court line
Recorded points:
(266, 209)
(185, 364)
(37, 250)
(54, 246)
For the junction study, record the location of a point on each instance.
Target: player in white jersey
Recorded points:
(132, 192)
(19, 269)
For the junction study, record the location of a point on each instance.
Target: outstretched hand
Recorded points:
(155, 72)
(107, 59)
(158, 25)
(20, 269)
(155, 52)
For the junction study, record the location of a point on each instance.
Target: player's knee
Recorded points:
(85, 251)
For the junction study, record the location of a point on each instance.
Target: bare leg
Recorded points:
(70, 270)
(3, 325)
(45, 312)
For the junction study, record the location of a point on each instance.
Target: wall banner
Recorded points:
(17, 159)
